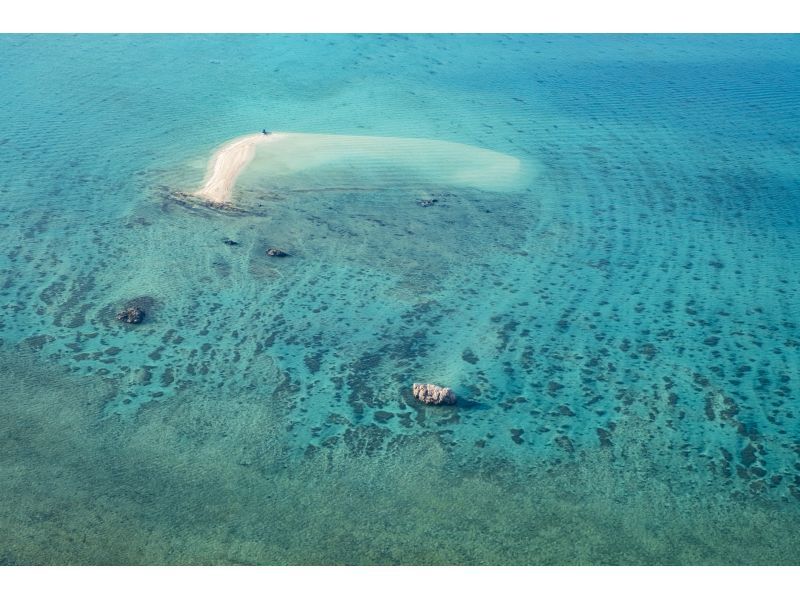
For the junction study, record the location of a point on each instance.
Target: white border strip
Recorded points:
(301, 16)
(399, 582)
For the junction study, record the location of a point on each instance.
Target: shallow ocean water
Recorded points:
(622, 332)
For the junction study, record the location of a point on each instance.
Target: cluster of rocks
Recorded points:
(433, 198)
(271, 251)
(131, 314)
(432, 394)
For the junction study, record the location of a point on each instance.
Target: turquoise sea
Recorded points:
(621, 330)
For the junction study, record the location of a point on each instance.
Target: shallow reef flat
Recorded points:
(208, 479)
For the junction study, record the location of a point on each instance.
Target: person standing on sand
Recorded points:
(266, 132)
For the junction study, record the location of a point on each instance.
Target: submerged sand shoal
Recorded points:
(393, 160)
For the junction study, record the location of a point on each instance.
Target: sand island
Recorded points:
(327, 161)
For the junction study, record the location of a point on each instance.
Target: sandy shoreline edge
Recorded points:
(227, 163)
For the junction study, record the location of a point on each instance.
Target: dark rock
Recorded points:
(604, 436)
(426, 203)
(383, 416)
(38, 341)
(275, 252)
(131, 314)
(405, 420)
(648, 350)
(147, 307)
(565, 410)
(433, 395)
(749, 455)
(565, 443)
(230, 242)
(469, 356)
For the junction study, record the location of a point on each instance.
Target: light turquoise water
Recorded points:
(621, 333)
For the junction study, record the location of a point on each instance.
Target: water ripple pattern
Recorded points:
(633, 299)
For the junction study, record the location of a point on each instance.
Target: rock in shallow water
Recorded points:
(275, 252)
(434, 395)
(131, 315)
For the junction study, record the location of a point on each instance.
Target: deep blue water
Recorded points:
(622, 332)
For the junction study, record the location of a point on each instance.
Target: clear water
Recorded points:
(622, 332)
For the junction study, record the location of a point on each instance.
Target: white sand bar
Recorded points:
(312, 161)
(226, 164)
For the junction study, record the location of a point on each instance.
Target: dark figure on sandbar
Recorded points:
(266, 132)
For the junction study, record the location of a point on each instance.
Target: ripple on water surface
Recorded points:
(620, 326)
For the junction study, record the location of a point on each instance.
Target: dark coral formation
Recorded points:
(131, 314)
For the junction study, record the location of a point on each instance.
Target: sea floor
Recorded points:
(621, 331)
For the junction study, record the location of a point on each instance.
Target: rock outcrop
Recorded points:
(434, 395)
(132, 314)
(275, 252)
